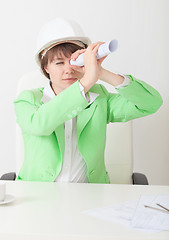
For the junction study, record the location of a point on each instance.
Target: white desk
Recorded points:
(54, 211)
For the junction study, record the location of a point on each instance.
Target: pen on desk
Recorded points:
(156, 209)
(162, 207)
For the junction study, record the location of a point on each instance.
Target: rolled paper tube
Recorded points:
(104, 50)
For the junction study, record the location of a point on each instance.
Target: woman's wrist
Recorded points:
(111, 78)
(86, 84)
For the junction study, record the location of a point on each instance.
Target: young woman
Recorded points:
(64, 124)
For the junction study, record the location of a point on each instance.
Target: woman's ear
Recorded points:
(46, 69)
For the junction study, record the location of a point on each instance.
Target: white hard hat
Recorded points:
(57, 31)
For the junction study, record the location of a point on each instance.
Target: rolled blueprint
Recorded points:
(103, 51)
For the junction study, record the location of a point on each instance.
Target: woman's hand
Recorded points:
(74, 56)
(92, 66)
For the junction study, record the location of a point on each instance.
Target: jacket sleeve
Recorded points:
(44, 119)
(133, 101)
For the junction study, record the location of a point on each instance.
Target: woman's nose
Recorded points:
(68, 68)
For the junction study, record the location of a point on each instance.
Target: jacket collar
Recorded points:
(48, 94)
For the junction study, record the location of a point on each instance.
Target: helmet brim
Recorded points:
(53, 43)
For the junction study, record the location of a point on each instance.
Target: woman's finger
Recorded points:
(95, 49)
(101, 60)
(93, 45)
(78, 68)
(77, 53)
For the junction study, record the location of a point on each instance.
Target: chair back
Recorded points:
(118, 152)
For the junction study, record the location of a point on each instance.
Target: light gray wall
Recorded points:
(142, 29)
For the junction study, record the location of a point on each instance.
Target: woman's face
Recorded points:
(61, 73)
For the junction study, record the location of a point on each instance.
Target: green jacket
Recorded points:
(42, 125)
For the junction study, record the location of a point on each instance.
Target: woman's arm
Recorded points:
(111, 78)
(40, 119)
(136, 100)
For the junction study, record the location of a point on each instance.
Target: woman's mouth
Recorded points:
(70, 79)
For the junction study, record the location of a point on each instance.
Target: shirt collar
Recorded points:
(48, 93)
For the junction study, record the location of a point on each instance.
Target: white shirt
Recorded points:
(74, 168)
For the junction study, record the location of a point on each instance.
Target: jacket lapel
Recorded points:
(48, 94)
(84, 117)
(60, 135)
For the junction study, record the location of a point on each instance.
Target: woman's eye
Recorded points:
(59, 63)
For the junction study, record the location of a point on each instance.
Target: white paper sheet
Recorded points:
(135, 215)
(148, 218)
(119, 213)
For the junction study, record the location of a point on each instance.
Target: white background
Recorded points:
(142, 29)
